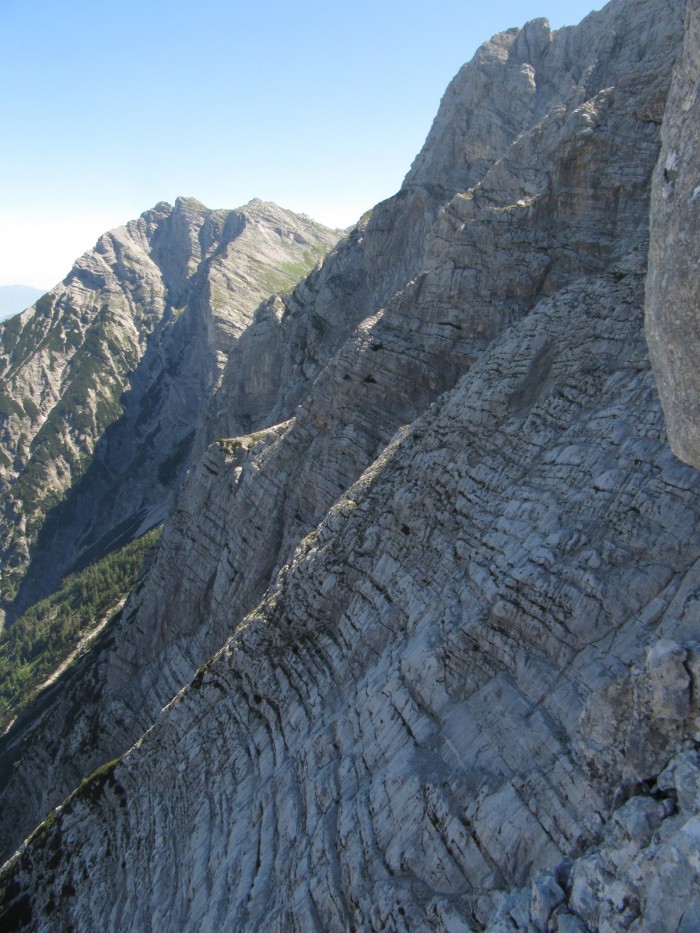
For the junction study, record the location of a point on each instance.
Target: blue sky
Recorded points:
(320, 106)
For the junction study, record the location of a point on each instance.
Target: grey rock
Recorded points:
(687, 781)
(426, 283)
(569, 923)
(638, 820)
(392, 784)
(420, 622)
(668, 680)
(691, 918)
(643, 875)
(673, 284)
(546, 895)
(635, 723)
(685, 770)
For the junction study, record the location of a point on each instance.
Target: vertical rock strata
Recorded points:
(452, 564)
(673, 286)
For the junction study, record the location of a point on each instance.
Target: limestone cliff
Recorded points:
(673, 286)
(434, 588)
(105, 378)
(447, 692)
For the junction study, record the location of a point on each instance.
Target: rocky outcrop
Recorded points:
(105, 379)
(673, 286)
(434, 588)
(463, 674)
(643, 876)
(568, 197)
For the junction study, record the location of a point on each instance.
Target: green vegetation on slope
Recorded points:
(44, 637)
(62, 448)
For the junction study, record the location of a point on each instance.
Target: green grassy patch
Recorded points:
(91, 402)
(43, 638)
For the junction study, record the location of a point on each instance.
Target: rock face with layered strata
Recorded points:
(449, 564)
(447, 691)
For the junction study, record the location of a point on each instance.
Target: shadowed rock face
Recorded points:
(450, 559)
(103, 381)
(673, 285)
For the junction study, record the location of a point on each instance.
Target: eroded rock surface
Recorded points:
(450, 559)
(452, 689)
(673, 286)
(567, 196)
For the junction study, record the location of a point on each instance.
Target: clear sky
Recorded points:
(108, 108)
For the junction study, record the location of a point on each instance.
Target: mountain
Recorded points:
(15, 298)
(103, 381)
(418, 645)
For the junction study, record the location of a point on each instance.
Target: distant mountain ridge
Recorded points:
(103, 380)
(15, 298)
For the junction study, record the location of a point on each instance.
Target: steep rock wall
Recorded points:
(673, 286)
(417, 719)
(469, 699)
(569, 198)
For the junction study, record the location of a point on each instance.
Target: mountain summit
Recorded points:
(417, 648)
(103, 382)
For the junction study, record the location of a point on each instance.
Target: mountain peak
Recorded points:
(418, 646)
(176, 287)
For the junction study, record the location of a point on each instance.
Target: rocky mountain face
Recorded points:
(104, 380)
(673, 286)
(418, 649)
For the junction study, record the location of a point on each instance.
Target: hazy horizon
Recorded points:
(15, 298)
